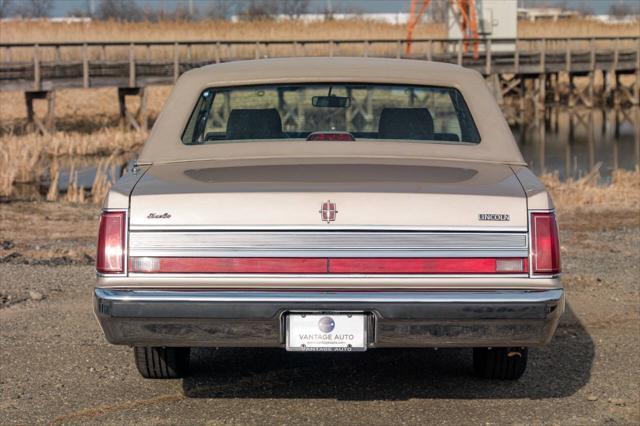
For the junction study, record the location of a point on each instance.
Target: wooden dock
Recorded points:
(529, 72)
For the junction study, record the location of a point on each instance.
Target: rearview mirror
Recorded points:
(331, 101)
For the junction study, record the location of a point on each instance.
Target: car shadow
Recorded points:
(557, 370)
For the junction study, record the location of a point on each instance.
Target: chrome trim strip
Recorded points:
(326, 282)
(328, 244)
(325, 228)
(336, 253)
(507, 296)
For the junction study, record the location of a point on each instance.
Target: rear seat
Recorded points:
(254, 124)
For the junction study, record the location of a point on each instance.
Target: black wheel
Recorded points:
(500, 363)
(160, 362)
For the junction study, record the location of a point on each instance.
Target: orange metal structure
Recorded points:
(414, 18)
(466, 17)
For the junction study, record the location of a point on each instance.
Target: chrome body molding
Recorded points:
(396, 318)
(327, 244)
(328, 282)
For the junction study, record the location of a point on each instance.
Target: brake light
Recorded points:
(331, 136)
(111, 243)
(451, 265)
(545, 247)
(321, 265)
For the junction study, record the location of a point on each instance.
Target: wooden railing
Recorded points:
(50, 65)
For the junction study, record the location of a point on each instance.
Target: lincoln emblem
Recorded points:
(328, 211)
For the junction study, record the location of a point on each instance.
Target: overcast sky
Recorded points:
(62, 7)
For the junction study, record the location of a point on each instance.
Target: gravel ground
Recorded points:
(56, 367)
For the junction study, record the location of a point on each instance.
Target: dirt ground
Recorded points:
(55, 366)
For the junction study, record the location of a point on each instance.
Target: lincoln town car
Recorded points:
(329, 204)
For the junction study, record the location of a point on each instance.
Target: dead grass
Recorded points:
(22, 31)
(77, 110)
(26, 158)
(622, 193)
(577, 28)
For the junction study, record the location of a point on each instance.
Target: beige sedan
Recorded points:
(329, 204)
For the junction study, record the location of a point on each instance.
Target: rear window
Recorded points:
(370, 111)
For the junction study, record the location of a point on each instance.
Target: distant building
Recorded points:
(546, 14)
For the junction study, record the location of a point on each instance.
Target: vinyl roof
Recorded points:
(497, 143)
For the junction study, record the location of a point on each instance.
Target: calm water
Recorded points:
(572, 143)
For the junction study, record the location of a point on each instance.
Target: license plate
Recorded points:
(326, 332)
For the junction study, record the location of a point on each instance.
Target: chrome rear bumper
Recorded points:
(396, 319)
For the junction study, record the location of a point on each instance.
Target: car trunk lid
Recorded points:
(442, 195)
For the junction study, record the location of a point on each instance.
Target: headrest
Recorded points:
(405, 123)
(254, 124)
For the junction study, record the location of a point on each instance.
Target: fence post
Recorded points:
(398, 49)
(36, 69)
(176, 61)
(460, 52)
(636, 99)
(429, 49)
(542, 78)
(516, 57)
(487, 56)
(257, 50)
(85, 67)
(592, 68)
(543, 55)
(132, 65)
(567, 58)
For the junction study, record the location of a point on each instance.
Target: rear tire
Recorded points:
(500, 363)
(161, 362)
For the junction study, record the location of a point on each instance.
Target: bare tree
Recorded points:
(621, 10)
(6, 7)
(78, 13)
(585, 8)
(34, 8)
(220, 9)
(257, 10)
(294, 8)
(180, 13)
(121, 10)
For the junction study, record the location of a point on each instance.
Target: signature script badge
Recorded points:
(158, 216)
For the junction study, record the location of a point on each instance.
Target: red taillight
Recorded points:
(545, 247)
(266, 265)
(229, 265)
(111, 243)
(331, 136)
(425, 266)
